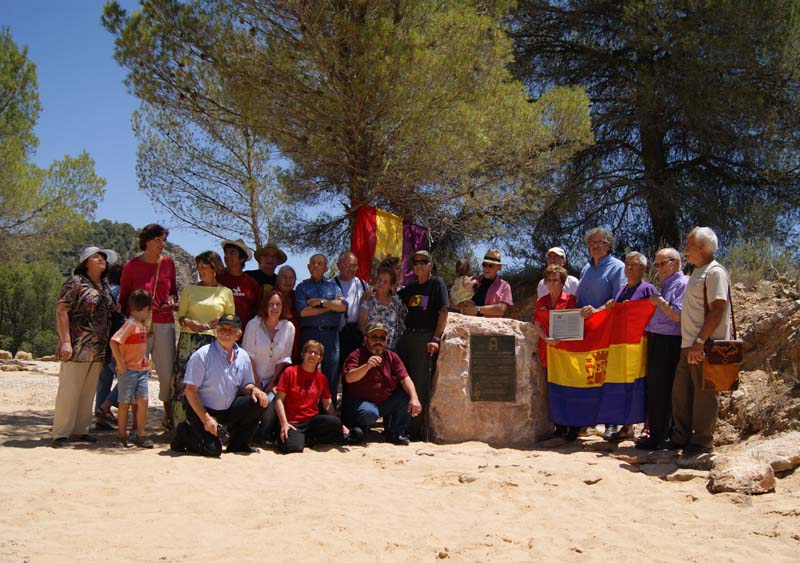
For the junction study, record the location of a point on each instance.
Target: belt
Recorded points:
(334, 327)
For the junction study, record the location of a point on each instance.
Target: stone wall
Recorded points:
(455, 418)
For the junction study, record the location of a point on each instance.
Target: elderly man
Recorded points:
(319, 306)
(269, 257)
(426, 300)
(706, 314)
(220, 389)
(378, 385)
(492, 296)
(353, 289)
(602, 276)
(663, 347)
(557, 257)
(246, 290)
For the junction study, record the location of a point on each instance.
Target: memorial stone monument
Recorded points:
(489, 386)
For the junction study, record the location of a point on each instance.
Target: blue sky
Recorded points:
(86, 106)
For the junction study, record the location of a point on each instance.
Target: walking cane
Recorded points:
(428, 402)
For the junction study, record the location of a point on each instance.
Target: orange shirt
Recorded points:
(132, 340)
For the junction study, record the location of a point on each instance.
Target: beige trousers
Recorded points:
(77, 383)
(161, 348)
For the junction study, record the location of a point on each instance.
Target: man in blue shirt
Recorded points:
(219, 388)
(320, 306)
(603, 276)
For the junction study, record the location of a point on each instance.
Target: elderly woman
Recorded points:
(383, 305)
(83, 316)
(300, 391)
(603, 276)
(200, 307)
(155, 273)
(287, 279)
(556, 299)
(635, 289)
(269, 339)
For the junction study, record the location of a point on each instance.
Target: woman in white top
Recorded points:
(268, 339)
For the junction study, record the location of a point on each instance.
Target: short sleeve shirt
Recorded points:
(424, 301)
(218, 379)
(132, 340)
(246, 295)
(303, 391)
(600, 283)
(714, 278)
(542, 316)
(89, 313)
(378, 383)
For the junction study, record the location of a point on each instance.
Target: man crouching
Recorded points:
(378, 385)
(219, 388)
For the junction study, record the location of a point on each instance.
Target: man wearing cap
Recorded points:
(269, 257)
(556, 256)
(492, 296)
(353, 290)
(220, 390)
(378, 385)
(320, 306)
(246, 290)
(427, 301)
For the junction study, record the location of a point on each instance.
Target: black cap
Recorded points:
(232, 320)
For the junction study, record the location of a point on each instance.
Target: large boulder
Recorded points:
(6, 355)
(457, 418)
(752, 468)
(23, 356)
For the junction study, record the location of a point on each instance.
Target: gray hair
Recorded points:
(346, 254)
(641, 258)
(671, 253)
(605, 233)
(287, 267)
(706, 238)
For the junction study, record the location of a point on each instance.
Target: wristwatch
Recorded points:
(322, 303)
(478, 312)
(699, 340)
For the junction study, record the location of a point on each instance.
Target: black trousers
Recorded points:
(663, 352)
(322, 428)
(350, 338)
(240, 419)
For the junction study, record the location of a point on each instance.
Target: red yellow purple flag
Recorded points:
(600, 379)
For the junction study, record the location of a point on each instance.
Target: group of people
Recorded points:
(689, 310)
(259, 357)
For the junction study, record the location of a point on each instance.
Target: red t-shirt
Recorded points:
(542, 316)
(246, 295)
(132, 340)
(378, 383)
(303, 391)
(138, 274)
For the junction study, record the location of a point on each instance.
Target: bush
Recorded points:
(750, 261)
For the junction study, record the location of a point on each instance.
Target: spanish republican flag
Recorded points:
(601, 379)
(376, 235)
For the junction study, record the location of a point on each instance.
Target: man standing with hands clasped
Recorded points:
(378, 385)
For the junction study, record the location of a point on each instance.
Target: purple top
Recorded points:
(641, 290)
(672, 291)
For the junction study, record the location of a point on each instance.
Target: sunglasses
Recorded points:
(420, 262)
(488, 265)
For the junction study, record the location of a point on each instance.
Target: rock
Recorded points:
(682, 475)
(6, 355)
(11, 367)
(640, 457)
(741, 474)
(456, 418)
(781, 453)
(702, 462)
(23, 356)
(658, 469)
(47, 359)
(592, 481)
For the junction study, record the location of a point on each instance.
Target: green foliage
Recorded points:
(752, 260)
(695, 113)
(41, 210)
(406, 105)
(28, 294)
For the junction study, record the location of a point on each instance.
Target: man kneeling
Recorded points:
(219, 389)
(378, 385)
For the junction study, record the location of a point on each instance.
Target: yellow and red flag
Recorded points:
(601, 379)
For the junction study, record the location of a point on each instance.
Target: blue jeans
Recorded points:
(363, 414)
(104, 390)
(330, 362)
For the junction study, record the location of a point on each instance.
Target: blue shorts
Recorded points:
(132, 385)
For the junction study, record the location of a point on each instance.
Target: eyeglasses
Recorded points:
(488, 265)
(420, 262)
(667, 261)
(598, 242)
(377, 338)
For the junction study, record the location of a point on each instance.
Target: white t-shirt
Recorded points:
(570, 286)
(717, 284)
(265, 352)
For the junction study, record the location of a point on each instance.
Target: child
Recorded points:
(129, 346)
(464, 285)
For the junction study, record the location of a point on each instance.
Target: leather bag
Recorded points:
(723, 357)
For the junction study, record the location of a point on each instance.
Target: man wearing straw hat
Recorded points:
(492, 296)
(269, 257)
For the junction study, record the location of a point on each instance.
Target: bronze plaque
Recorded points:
(492, 368)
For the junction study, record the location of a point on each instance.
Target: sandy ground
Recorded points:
(465, 502)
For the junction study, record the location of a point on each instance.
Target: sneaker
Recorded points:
(693, 449)
(243, 450)
(60, 442)
(356, 436)
(101, 424)
(649, 444)
(398, 439)
(88, 438)
(142, 442)
(572, 433)
(123, 443)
